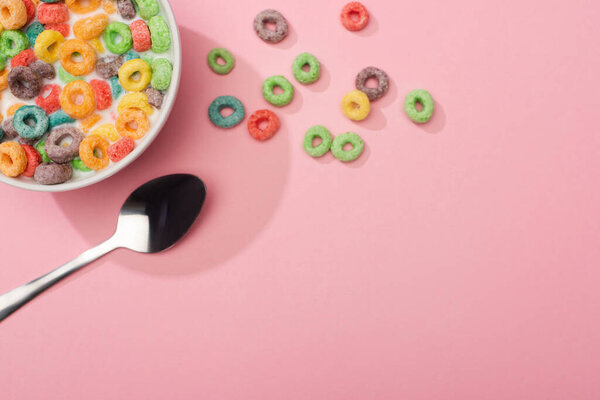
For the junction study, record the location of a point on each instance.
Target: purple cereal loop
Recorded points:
(46, 71)
(63, 154)
(52, 174)
(126, 9)
(8, 128)
(30, 142)
(109, 66)
(155, 97)
(24, 83)
(273, 17)
(383, 82)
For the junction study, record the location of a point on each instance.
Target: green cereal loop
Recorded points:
(321, 132)
(419, 96)
(278, 100)
(221, 102)
(67, 77)
(13, 42)
(147, 8)
(148, 57)
(337, 147)
(214, 55)
(160, 34)
(33, 31)
(3, 61)
(59, 118)
(162, 70)
(79, 165)
(41, 148)
(310, 76)
(111, 32)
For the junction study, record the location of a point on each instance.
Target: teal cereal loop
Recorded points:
(147, 8)
(278, 100)
(59, 118)
(41, 148)
(160, 34)
(33, 31)
(78, 165)
(306, 77)
(131, 55)
(317, 132)
(222, 102)
(13, 42)
(226, 56)
(31, 122)
(337, 147)
(66, 77)
(419, 96)
(113, 31)
(115, 87)
(162, 70)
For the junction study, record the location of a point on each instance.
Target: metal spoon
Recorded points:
(153, 218)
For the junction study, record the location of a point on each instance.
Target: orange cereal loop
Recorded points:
(132, 123)
(97, 45)
(108, 131)
(13, 159)
(83, 6)
(13, 14)
(77, 99)
(71, 51)
(109, 6)
(13, 109)
(91, 27)
(4, 79)
(93, 152)
(88, 123)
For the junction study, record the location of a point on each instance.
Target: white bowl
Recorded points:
(140, 145)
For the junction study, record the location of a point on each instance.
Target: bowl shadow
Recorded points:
(244, 183)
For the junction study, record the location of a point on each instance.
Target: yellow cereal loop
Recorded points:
(89, 122)
(97, 45)
(135, 100)
(13, 159)
(132, 123)
(109, 6)
(135, 75)
(108, 131)
(13, 109)
(93, 152)
(47, 45)
(356, 105)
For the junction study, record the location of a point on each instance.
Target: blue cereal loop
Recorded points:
(59, 118)
(115, 86)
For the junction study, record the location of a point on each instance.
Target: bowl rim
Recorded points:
(149, 137)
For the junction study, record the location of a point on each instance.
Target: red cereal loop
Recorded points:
(141, 36)
(33, 160)
(263, 116)
(119, 149)
(30, 7)
(63, 29)
(23, 59)
(50, 102)
(53, 13)
(103, 93)
(354, 8)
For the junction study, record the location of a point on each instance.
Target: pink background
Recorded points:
(454, 260)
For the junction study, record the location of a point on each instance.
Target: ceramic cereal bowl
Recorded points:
(157, 120)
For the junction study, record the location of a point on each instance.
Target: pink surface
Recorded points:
(455, 260)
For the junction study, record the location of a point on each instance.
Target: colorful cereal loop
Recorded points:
(132, 123)
(132, 69)
(71, 51)
(89, 149)
(47, 45)
(70, 96)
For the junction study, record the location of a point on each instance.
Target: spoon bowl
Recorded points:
(152, 219)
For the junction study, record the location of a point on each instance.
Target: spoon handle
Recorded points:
(16, 298)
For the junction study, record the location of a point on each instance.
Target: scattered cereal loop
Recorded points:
(135, 100)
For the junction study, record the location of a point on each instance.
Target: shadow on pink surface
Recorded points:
(245, 179)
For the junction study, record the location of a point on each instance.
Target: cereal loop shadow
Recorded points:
(244, 179)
